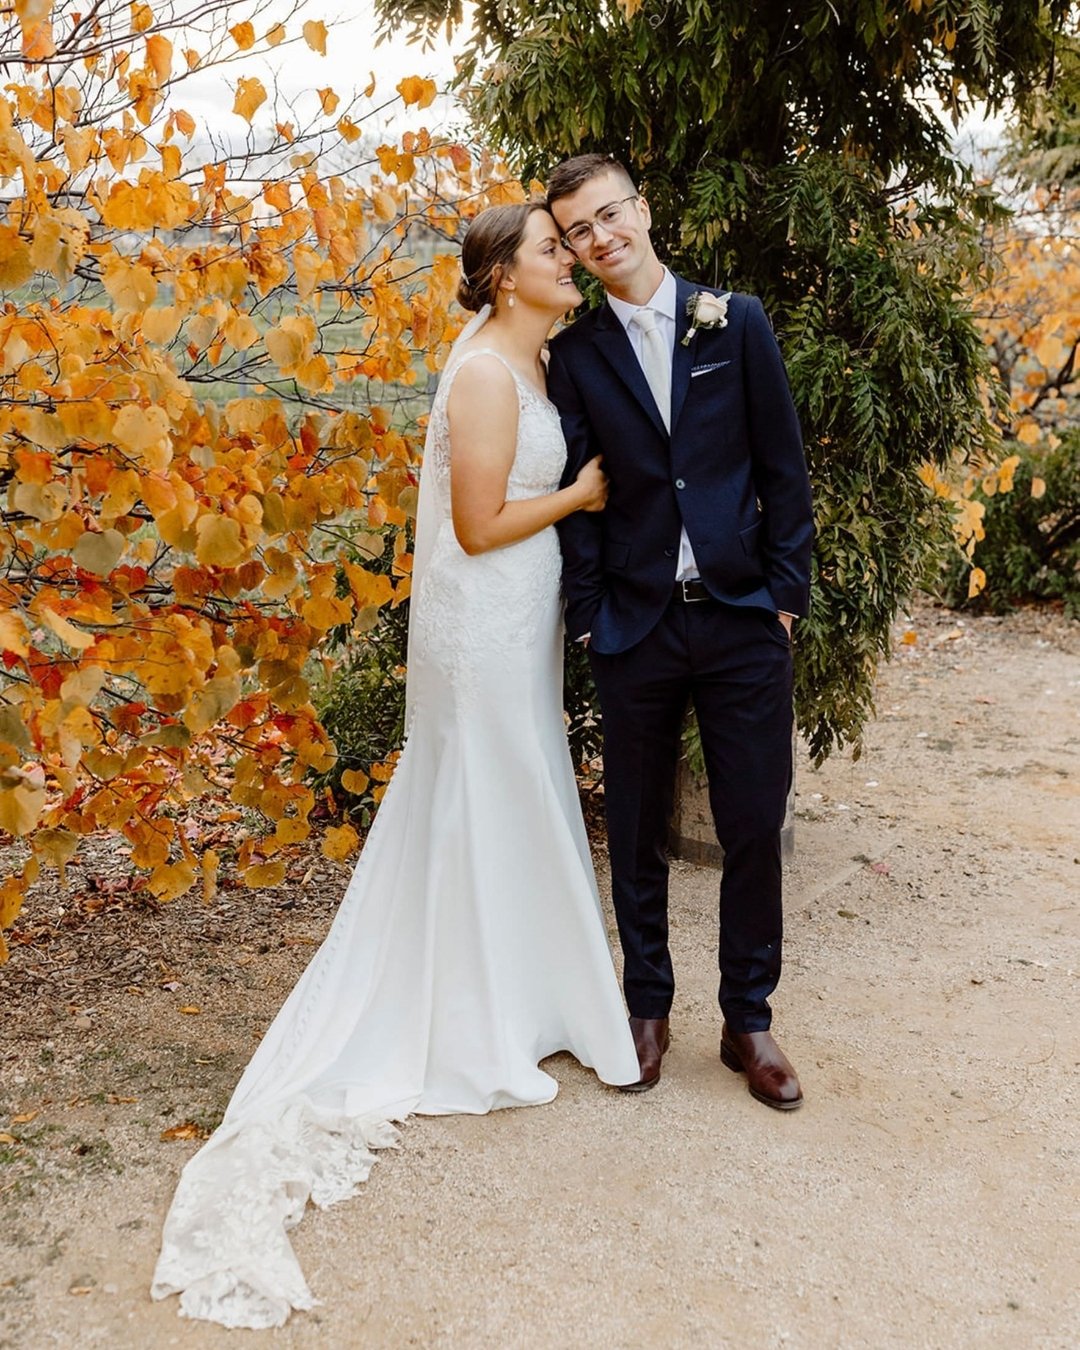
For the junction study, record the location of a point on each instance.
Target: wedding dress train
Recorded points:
(469, 944)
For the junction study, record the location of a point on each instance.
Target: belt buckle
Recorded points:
(689, 599)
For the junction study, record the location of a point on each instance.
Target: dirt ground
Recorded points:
(927, 1194)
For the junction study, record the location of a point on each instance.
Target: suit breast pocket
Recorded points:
(709, 368)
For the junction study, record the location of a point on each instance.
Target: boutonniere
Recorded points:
(705, 311)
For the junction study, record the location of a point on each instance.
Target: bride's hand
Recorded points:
(593, 484)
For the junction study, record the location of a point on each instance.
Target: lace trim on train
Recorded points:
(225, 1249)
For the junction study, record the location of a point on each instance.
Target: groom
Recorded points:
(685, 588)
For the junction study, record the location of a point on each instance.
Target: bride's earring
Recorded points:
(510, 300)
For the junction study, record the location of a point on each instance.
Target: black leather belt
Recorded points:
(692, 590)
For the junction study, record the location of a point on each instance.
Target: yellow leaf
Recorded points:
(315, 35)
(185, 123)
(329, 101)
(67, 632)
(264, 874)
(1028, 432)
(99, 553)
(384, 205)
(413, 89)
(56, 847)
(291, 831)
(250, 96)
(20, 807)
(239, 331)
(169, 880)
(339, 841)
(143, 433)
(12, 634)
(12, 894)
(161, 324)
(1038, 487)
(210, 703)
(286, 346)
(243, 34)
(976, 582)
(16, 267)
(219, 542)
(142, 17)
(131, 286)
(276, 35)
(355, 781)
(83, 686)
(191, 1009)
(349, 130)
(209, 863)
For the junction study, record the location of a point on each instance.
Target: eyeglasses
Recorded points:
(577, 236)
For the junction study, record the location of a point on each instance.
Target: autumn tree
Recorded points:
(801, 152)
(201, 470)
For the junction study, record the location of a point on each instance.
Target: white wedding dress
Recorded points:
(469, 944)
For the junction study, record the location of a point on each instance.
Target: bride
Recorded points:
(469, 944)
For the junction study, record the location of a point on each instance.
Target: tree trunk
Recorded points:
(691, 835)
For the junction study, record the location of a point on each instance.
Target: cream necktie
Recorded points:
(655, 361)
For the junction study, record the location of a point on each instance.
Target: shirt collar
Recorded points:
(664, 300)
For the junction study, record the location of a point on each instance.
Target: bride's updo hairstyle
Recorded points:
(490, 247)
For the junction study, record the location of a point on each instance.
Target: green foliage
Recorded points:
(1032, 545)
(794, 151)
(582, 709)
(360, 699)
(1045, 145)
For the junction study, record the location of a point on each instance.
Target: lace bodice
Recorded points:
(540, 453)
(465, 608)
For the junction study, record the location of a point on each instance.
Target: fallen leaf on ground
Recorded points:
(6, 1138)
(24, 1119)
(189, 1130)
(191, 1008)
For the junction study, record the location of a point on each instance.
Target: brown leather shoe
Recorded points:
(769, 1075)
(651, 1039)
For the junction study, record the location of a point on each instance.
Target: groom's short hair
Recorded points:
(574, 173)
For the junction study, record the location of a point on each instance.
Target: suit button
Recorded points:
(679, 484)
(669, 553)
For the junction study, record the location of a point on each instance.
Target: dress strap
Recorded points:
(519, 380)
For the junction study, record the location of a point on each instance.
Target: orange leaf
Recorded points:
(159, 53)
(243, 34)
(189, 1130)
(250, 96)
(315, 35)
(413, 89)
(339, 841)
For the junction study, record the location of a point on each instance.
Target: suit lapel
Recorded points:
(683, 359)
(610, 338)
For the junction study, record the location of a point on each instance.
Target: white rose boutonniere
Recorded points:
(705, 311)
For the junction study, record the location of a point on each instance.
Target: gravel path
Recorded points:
(926, 1195)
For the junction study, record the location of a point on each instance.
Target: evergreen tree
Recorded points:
(800, 151)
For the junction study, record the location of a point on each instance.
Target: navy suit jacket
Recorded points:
(732, 471)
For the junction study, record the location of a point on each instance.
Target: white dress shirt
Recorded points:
(663, 303)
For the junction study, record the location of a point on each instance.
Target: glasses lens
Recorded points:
(579, 235)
